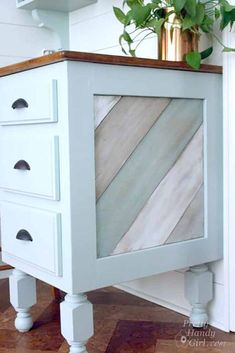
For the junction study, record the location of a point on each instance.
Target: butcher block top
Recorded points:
(103, 59)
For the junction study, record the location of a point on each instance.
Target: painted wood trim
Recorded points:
(228, 265)
(103, 59)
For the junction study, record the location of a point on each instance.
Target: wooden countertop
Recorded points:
(103, 59)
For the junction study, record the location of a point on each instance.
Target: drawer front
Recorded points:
(32, 235)
(30, 165)
(27, 100)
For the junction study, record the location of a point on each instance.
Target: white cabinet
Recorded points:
(38, 105)
(110, 174)
(33, 236)
(31, 165)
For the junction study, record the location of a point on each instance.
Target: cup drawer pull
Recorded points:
(22, 165)
(24, 235)
(20, 103)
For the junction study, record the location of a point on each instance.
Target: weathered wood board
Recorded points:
(120, 132)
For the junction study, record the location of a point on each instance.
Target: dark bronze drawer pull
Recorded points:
(24, 235)
(22, 165)
(20, 103)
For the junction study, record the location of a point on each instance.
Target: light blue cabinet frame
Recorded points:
(86, 80)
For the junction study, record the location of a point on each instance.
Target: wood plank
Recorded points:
(191, 225)
(5, 267)
(147, 166)
(169, 201)
(103, 59)
(120, 132)
(102, 106)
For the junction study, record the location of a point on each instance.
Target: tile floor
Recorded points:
(123, 324)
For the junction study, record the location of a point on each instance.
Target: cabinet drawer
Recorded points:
(27, 99)
(30, 165)
(32, 235)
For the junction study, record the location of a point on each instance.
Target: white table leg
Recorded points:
(76, 321)
(22, 297)
(199, 291)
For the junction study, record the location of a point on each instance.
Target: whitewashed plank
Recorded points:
(11, 15)
(120, 132)
(102, 106)
(92, 11)
(101, 38)
(130, 190)
(169, 201)
(191, 225)
(35, 40)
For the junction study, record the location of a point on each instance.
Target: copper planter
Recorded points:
(174, 43)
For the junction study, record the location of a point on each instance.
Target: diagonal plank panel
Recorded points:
(120, 132)
(143, 171)
(163, 211)
(102, 106)
(191, 225)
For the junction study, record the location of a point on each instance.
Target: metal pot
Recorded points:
(173, 43)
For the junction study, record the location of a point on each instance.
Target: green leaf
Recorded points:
(187, 22)
(200, 13)
(132, 52)
(207, 24)
(127, 37)
(128, 18)
(228, 7)
(119, 15)
(225, 18)
(131, 3)
(205, 53)
(151, 23)
(190, 7)
(158, 25)
(193, 59)
(179, 4)
(140, 14)
(217, 13)
(153, 6)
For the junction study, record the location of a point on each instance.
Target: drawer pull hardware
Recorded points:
(20, 103)
(22, 165)
(24, 235)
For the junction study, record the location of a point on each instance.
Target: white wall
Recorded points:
(20, 38)
(229, 173)
(95, 29)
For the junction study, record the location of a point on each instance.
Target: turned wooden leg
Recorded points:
(199, 291)
(76, 321)
(22, 297)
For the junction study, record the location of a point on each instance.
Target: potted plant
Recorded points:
(176, 22)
